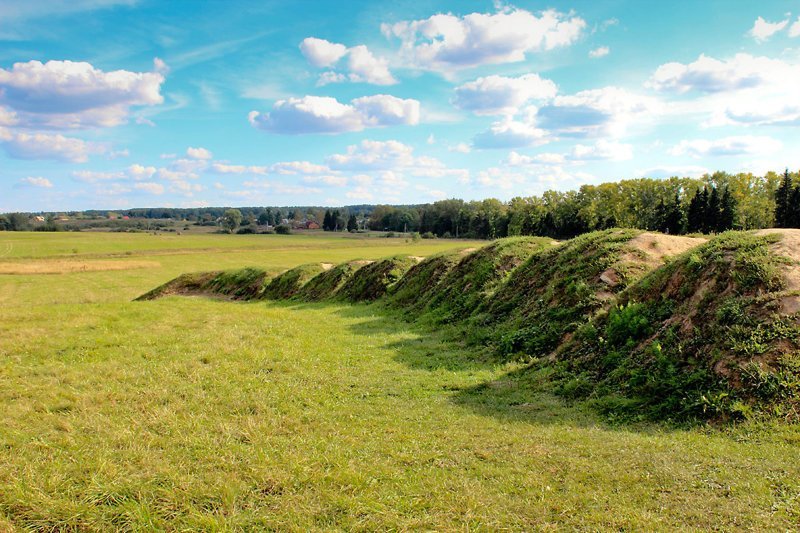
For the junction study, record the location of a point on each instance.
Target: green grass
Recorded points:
(191, 413)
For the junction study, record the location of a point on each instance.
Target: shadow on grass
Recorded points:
(521, 395)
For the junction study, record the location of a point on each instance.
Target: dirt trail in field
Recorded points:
(66, 267)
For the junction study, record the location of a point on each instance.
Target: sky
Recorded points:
(113, 104)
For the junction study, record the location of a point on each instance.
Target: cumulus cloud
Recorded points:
(600, 51)
(710, 75)
(149, 187)
(91, 176)
(322, 53)
(510, 133)
(516, 159)
(493, 95)
(602, 150)
(322, 114)
(298, 167)
(224, 168)
(741, 145)
(362, 65)
(365, 67)
(595, 112)
(198, 153)
(447, 42)
(46, 146)
(763, 30)
(140, 172)
(38, 182)
(742, 90)
(68, 94)
(391, 156)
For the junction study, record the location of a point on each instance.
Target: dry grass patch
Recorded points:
(65, 266)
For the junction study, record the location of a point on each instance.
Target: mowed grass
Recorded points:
(189, 413)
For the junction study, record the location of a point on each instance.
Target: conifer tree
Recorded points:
(696, 212)
(783, 198)
(711, 211)
(727, 212)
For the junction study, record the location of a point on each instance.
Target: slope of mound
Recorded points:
(373, 280)
(557, 290)
(704, 336)
(476, 276)
(413, 290)
(289, 283)
(243, 284)
(326, 284)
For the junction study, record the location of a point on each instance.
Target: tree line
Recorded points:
(713, 203)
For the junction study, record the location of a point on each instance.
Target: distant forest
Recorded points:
(713, 203)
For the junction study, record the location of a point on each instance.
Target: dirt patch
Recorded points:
(326, 266)
(656, 246)
(67, 267)
(789, 247)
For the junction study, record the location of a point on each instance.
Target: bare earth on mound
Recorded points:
(788, 246)
(646, 251)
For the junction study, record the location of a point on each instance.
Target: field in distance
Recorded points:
(191, 413)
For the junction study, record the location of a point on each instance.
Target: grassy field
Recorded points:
(189, 413)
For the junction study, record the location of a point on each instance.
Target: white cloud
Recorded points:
(67, 94)
(510, 133)
(330, 77)
(329, 180)
(321, 114)
(91, 176)
(46, 146)
(198, 153)
(742, 90)
(373, 155)
(149, 187)
(224, 168)
(461, 148)
(140, 172)
(298, 167)
(595, 112)
(322, 53)
(602, 150)
(493, 95)
(446, 42)
(365, 67)
(763, 30)
(710, 75)
(794, 30)
(741, 145)
(41, 183)
(516, 159)
(391, 156)
(362, 65)
(600, 51)
(360, 193)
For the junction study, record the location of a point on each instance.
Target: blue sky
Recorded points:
(126, 103)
